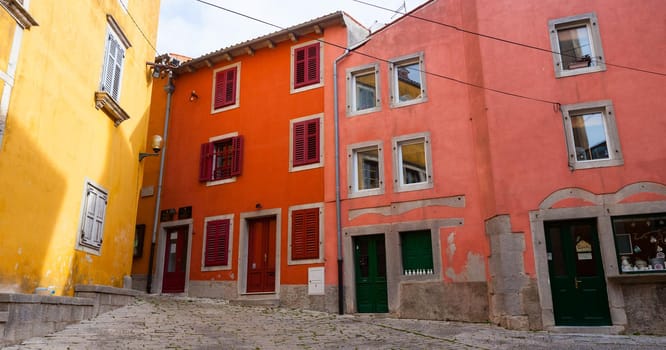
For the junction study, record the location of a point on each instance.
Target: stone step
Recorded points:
(256, 302)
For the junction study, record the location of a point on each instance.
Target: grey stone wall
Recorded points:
(514, 301)
(464, 301)
(227, 290)
(23, 316)
(296, 296)
(645, 305)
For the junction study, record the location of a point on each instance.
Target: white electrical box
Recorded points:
(316, 281)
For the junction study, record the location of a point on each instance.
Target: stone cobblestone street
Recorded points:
(155, 322)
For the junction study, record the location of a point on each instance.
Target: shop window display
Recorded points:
(640, 241)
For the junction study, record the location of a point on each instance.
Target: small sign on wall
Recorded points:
(316, 281)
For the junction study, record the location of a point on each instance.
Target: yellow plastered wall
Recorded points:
(55, 140)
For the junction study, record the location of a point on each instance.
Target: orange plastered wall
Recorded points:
(263, 119)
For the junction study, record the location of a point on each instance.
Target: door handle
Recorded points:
(577, 282)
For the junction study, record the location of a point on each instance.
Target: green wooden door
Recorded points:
(576, 274)
(370, 271)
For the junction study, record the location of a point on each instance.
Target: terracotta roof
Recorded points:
(248, 47)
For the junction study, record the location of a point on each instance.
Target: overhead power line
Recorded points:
(507, 41)
(555, 104)
(139, 28)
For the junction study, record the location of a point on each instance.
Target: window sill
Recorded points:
(19, 13)
(640, 277)
(220, 181)
(563, 73)
(106, 103)
(602, 163)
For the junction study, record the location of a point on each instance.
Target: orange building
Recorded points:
(242, 213)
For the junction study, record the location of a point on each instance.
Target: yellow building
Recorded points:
(74, 104)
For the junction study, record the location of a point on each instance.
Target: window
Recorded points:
(366, 170)
(416, 252)
(407, 80)
(640, 241)
(306, 143)
(221, 159)
(591, 135)
(226, 84)
(413, 163)
(217, 243)
(576, 45)
(305, 238)
(363, 90)
(93, 211)
(139, 234)
(114, 57)
(306, 69)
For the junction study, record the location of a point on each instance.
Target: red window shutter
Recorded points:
(306, 142)
(225, 88)
(237, 155)
(217, 243)
(305, 234)
(206, 161)
(306, 65)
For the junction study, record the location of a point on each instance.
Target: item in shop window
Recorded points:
(653, 240)
(626, 265)
(641, 264)
(637, 249)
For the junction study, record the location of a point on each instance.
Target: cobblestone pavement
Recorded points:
(153, 322)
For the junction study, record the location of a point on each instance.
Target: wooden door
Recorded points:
(175, 260)
(576, 273)
(370, 271)
(261, 255)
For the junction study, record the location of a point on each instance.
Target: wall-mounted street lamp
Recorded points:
(156, 145)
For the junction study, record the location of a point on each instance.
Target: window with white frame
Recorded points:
(306, 234)
(114, 57)
(576, 45)
(363, 89)
(306, 143)
(413, 164)
(226, 86)
(306, 69)
(407, 80)
(218, 238)
(221, 159)
(591, 135)
(93, 212)
(365, 169)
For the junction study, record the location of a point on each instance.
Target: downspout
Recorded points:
(338, 210)
(169, 88)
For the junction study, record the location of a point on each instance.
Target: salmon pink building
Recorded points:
(242, 210)
(504, 161)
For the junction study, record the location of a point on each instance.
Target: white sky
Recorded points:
(191, 28)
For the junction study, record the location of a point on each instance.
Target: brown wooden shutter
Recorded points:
(237, 155)
(306, 65)
(225, 88)
(305, 234)
(306, 142)
(206, 162)
(217, 243)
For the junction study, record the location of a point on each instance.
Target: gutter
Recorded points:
(338, 210)
(169, 88)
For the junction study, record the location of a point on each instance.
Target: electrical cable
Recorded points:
(139, 28)
(507, 41)
(555, 104)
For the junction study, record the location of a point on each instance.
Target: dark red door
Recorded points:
(261, 255)
(175, 260)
